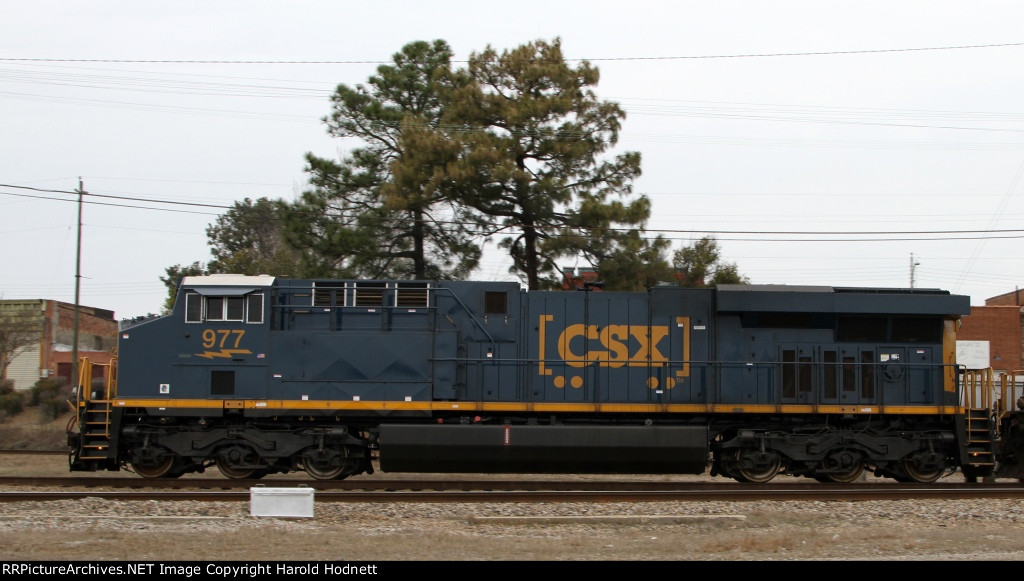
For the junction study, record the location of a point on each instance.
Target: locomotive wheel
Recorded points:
(235, 473)
(841, 477)
(155, 470)
(765, 470)
(916, 475)
(843, 467)
(327, 465)
(322, 470)
(236, 463)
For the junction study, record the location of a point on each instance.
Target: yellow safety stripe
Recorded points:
(531, 407)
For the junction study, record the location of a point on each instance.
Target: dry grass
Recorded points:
(29, 430)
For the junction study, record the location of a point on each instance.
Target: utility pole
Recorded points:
(78, 279)
(913, 263)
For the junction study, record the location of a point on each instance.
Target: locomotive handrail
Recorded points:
(977, 389)
(84, 391)
(469, 312)
(283, 309)
(1011, 389)
(84, 378)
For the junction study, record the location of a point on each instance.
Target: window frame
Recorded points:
(241, 308)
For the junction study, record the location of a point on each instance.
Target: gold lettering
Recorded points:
(648, 345)
(657, 334)
(542, 367)
(210, 341)
(612, 337)
(615, 339)
(571, 332)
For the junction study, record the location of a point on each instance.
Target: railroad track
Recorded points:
(467, 488)
(210, 489)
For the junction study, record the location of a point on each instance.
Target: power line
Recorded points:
(128, 198)
(903, 235)
(365, 62)
(814, 53)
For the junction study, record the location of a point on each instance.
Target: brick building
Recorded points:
(1008, 299)
(55, 323)
(577, 278)
(998, 322)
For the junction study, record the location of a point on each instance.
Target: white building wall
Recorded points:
(24, 369)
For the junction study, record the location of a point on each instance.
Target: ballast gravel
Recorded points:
(99, 529)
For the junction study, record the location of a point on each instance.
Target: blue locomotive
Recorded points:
(259, 375)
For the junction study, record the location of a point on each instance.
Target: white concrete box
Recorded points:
(284, 502)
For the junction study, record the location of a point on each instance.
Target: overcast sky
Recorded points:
(869, 143)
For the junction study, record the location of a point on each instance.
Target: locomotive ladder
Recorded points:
(94, 406)
(978, 420)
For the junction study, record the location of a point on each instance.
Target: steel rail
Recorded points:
(457, 483)
(702, 493)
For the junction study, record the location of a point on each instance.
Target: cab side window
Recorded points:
(199, 308)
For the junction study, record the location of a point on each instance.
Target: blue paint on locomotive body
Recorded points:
(261, 338)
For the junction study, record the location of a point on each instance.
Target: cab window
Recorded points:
(248, 308)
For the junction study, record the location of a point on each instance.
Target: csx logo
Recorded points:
(615, 346)
(612, 345)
